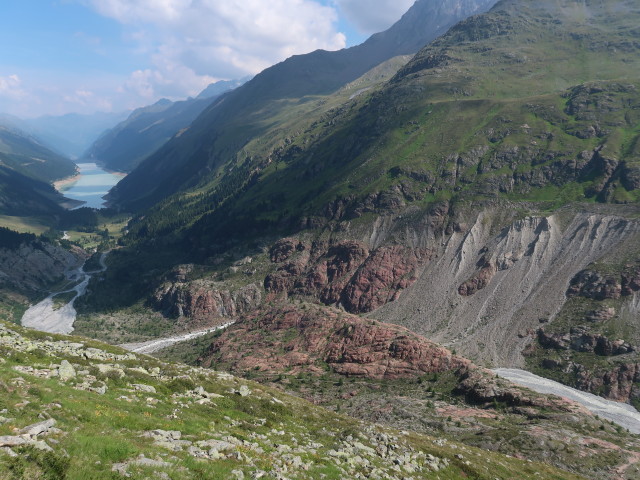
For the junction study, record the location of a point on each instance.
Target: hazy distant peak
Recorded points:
(218, 88)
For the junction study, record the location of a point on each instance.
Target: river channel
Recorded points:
(621, 413)
(45, 317)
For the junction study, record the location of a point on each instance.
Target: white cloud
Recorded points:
(372, 16)
(31, 93)
(191, 43)
(164, 11)
(11, 86)
(86, 100)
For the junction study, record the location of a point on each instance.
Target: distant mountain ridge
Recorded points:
(27, 170)
(70, 134)
(146, 129)
(26, 154)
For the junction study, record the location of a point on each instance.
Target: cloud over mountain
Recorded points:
(194, 42)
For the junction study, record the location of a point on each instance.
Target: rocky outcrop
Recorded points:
(284, 248)
(597, 286)
(479, 386)
(590, 284)
(311, 338)
(630, 176)
(352, 206)
(479, 280)
(203, 300)
(581, 340)
(345, 273)
(308, 338)
(620, 383)
(601, 314)
(36, 265)
(381, 278)
(630, 280)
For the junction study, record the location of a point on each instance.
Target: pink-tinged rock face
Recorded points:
(619, 383)
(311, 337)
(307, 338)
(631, 282)
(479, 281)
(594, 285)
(347, 273)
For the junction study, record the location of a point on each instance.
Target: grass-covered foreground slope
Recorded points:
(75, 409)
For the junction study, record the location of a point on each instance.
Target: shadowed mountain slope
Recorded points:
(124, 146)
(27, 169)
(27, 155)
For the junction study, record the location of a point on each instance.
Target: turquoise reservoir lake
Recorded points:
(90, 185)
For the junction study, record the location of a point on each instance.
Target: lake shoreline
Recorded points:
(88, 186)
(60, 185)
(112, 172)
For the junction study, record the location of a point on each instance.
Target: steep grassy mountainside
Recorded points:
(124, 146)
(76, 409)
(223, 130)
(488, 110)
(27, 169)
(28, 156)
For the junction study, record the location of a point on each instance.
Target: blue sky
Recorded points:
(61, 56)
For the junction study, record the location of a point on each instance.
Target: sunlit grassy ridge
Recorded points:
(501, 107)
(118, 412)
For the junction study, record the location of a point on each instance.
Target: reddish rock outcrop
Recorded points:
(346, 272)
(631, 281)
(591, 284)
(309, 338)
(381, 278)
(291, 339)
(479, 281)
(284, 248)
(479, 386)
(620, 383)
(601, 314)
(203, 301)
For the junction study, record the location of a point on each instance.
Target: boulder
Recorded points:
(66, 371)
